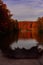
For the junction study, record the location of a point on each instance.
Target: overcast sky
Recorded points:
(25, 9)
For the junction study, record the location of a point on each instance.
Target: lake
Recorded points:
(22, 45)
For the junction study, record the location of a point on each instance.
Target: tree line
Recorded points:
(8, 24)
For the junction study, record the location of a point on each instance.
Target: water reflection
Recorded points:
(22, 45)
(27, 44)
(7, 40)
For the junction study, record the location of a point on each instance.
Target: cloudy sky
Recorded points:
(25, 9)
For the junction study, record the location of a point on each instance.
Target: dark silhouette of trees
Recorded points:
(40, 24)
(6, 22)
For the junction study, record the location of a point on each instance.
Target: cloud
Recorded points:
(25, 9)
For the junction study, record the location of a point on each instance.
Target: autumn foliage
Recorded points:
(6, 22)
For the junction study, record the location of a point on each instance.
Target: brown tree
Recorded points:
(5, 18)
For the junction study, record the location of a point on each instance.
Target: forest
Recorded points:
(8, 24)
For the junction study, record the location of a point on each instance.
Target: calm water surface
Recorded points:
(18, 42)
(27, 44)
(27, 40)
(21, 40)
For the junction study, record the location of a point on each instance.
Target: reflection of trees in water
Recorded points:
(7, 40)
(40, 44)
(31, 35)
(40, 39)
(25, 35)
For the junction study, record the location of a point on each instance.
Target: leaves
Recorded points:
(6, 22)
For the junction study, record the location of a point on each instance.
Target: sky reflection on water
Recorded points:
(27, 44)
(23, 45)
(21, 40)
